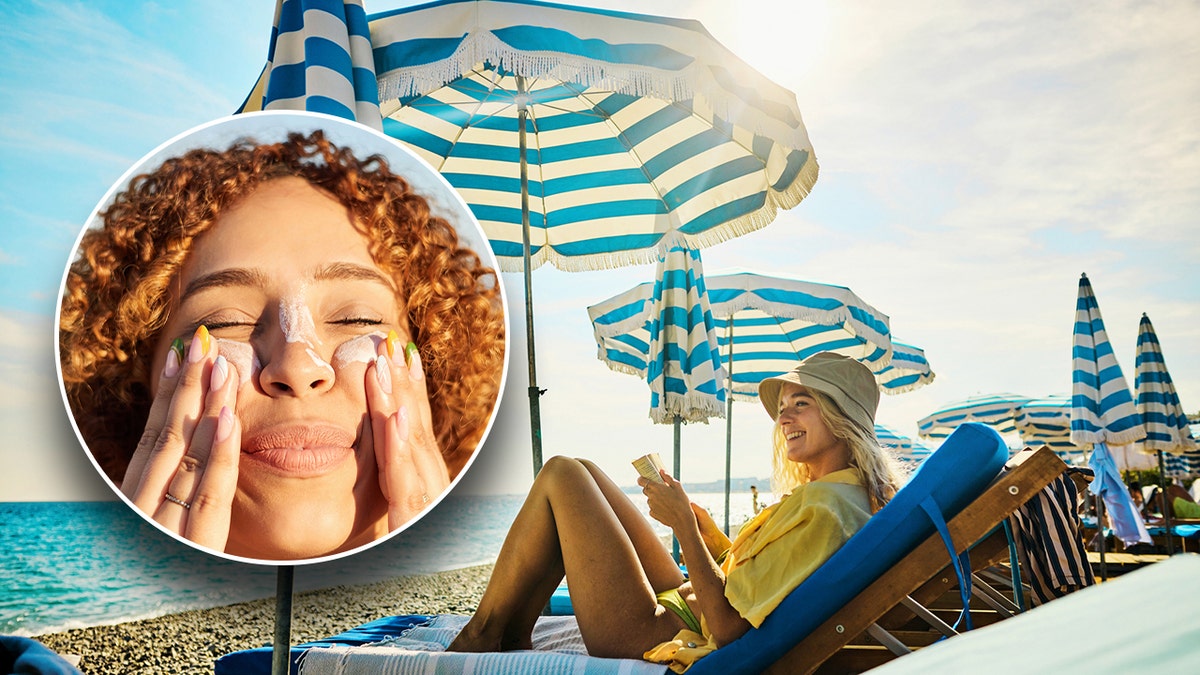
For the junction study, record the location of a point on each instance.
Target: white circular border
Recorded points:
(272, 126)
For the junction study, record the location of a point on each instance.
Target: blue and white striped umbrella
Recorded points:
(1103, 413)
(1158, 404)
(667, 338)
(1047, 421)
(908, 370)
(320, 60)
(1186, 465)
(904, 448)
(642, 130)
(999, 411)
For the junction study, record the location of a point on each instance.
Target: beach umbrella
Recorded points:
(904, 448)
(1187, 464)
(1162, 415)
(676, 351)
(1047, 421)
(908, 370)
(1103, 414)
(588, 138)
(998, 411)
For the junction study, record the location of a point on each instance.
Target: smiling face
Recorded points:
(809, 440)
(287, 286)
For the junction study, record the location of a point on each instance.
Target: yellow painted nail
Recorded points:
(392, 339)
(199, 346)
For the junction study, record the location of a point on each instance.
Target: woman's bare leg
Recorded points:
(568, 526)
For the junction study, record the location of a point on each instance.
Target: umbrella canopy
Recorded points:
(1103, 413)
(1047, 421)
(998, 411)
(908, 370)
(640, 128)
(1186, 465)
(904, 448)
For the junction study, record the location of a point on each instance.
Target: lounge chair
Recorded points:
(956, 498)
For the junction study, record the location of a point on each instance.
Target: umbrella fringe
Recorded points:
(910, 387)
(1107, 437)
(622, 367)
(637, 80)
(693, 407)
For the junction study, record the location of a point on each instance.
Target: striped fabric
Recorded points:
(772, 323)
(1047, 421)
(319, 60)
(1157, 401)
(1186, 465)
(908, 370)
(902, 447)
(1102, 410)
(1053, 559)
(666, 337)
(998, 411)
(637, 127)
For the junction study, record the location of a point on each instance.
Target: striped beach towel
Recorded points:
(1048, 541)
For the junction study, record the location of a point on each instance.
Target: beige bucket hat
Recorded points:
(849, 383)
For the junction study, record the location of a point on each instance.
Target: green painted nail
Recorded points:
(177, 347)
(409, 350)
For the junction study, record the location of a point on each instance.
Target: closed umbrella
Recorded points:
(1162, 415)
(1103, 414)
(588, 138)
(676, 350)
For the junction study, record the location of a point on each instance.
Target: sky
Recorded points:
(975, 158)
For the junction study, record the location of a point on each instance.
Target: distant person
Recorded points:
(630, 598)
(754, 499)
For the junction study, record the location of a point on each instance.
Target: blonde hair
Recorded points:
(880, 471)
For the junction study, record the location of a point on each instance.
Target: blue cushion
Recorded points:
(954, 475)
(26, 656)
(258, 661)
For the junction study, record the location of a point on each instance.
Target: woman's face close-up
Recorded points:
(809, 439)
(286, 286)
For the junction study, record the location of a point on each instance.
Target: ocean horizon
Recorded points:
(76, 564)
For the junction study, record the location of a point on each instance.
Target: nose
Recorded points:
(295, 369)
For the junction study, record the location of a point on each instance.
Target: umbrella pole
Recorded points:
(1162, 477)
(674, 539)
(728, 424)
(281, 650)
(1100, 533)
(535, 412)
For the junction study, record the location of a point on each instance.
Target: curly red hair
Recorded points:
(116, 299)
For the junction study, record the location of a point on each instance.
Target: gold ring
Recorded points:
(424, 497)
(176, 500)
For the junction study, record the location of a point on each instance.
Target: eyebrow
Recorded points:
(254, 278)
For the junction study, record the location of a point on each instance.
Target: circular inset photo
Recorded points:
(282, 337)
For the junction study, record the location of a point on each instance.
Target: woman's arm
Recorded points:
(670, 505)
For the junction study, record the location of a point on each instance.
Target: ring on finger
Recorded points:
(176, 500)
(424, 497)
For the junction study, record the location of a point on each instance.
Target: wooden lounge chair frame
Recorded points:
(922, 574)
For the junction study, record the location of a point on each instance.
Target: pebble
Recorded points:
(189, 642)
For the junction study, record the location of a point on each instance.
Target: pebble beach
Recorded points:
(189, 642)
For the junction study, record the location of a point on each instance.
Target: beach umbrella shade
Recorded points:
(588, 138)
(908, 370)
(1047, 421)
(677, 351)
(998, 411)
(1187, 464)
(904, 448)
(1162, 415)
(1103, 413)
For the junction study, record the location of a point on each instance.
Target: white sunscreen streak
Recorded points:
(296, 322)
(357, 350)
(242, 356)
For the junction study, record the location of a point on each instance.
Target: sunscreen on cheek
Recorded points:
(357, 350)
(242, 356)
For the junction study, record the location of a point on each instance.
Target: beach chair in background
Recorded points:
(917, 547)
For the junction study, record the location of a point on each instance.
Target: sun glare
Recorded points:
(786, 40)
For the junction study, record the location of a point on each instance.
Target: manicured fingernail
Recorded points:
(199, 346)
(171, 368)
(392, 339)
(220, 371)
(413, 358)
(383, 371)
(224, 423)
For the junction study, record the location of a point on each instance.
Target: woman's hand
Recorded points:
(668, 503)
(184, 471)
(412, 471)
(714, 539)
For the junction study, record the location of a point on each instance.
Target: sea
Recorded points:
(69, 565)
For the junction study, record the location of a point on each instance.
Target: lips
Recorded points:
(300, 450)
